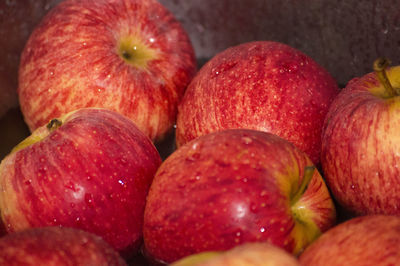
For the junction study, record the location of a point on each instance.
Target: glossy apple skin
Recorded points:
(231, 187)
(72, 60)
(366, 240)
(92, 173)
(262, 85)
(57, 246)
(361, 146)
(256, 253)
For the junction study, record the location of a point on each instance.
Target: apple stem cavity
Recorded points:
(308, 174)
(380, 66)
(53, 124)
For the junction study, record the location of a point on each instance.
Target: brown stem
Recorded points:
(380, 66)
(54, 124)
(308, 174)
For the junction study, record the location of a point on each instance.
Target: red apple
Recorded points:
(17, 20)
(361, 144)
(263, 85)
(56, 246)
(366, 240)
(232, 187)
(248, 254)
(131, 56)
(91, 170)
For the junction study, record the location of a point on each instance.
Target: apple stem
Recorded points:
(380, 66)
(308, 174)
(54, 124)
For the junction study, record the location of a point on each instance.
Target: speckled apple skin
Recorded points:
(361, 146)
(71, 61)
(231, 187)
(57, 246)
(262, 85)
(366, 240)
(91, 173)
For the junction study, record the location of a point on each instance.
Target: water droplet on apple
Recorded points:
(262, 229)
(193, 157)
(247, 140)
(28, 182)
(89, 199)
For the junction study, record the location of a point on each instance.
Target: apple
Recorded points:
(56, 246)
(364, 240)
(256, 253)
(130, 56)
(17, 20)
(90, 169)
(231, 187)
(262, 85)
(361, 143)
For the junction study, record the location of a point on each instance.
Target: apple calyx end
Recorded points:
(380, 65)
(135, 52)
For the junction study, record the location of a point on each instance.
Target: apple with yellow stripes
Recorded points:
(231, 187)
(130, 56)
(366, 240)
(90, 169)
(361, 143)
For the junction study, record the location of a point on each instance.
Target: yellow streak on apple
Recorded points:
(305, 229)
(18, 218)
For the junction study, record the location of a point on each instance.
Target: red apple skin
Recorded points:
(366, 240)
(57, 246)
(74, 59)
(261, 85)
(248, 254)
(93, 173)
(361, 147)
(232, 187)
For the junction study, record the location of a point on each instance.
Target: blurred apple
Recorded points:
(366, 240)
(17, 20)
(128, 56)
(232, 187)
(90, 169)
(257, 253)
(56, 246)
(262, 85)
(361, 143)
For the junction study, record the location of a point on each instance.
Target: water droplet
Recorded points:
(262, 229)
(121, 182)
(28, 182)
(193, 157)
(89, 199)
(247, 140)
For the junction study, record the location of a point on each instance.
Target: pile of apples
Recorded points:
(271, 163)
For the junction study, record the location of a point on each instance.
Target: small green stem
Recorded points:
(380, 66)
(308, 174)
